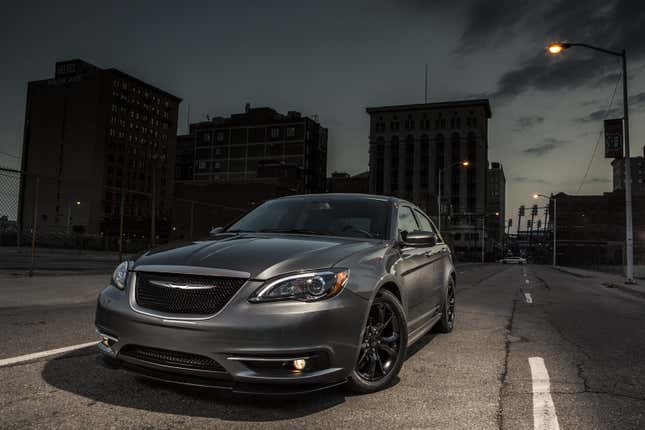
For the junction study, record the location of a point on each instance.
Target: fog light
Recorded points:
(299, 364)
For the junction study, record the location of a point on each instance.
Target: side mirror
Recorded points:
(215, 230)
(421, 238)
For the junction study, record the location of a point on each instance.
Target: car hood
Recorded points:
(262, 255)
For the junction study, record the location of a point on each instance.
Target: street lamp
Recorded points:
(555, 201)
(69, 215)
(484, 231)
(464, 163)
(557, 48)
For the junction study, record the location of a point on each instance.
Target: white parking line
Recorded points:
(544, 416)
(35, 355)
(528, 297)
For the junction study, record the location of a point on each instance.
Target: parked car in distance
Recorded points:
(300, 294)
(512, 260)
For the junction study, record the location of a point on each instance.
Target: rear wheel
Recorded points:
(383, 346)
(447, 321)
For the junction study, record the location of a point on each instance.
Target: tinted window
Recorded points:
(424, 222)
(326, 216)
(406, 221)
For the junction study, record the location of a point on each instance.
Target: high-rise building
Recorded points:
(260, 144)
(496, 202)
(90, 132)
(637, 165)
(411, 145)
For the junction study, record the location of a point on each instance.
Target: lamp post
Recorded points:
(555, 201)
(484, 231)
(557, 48)
(69, 215)
(440, 173)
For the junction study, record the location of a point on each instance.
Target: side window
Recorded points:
(406, 221)
(426, 224)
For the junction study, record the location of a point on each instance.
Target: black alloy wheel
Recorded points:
(447, 322)
(383, 345)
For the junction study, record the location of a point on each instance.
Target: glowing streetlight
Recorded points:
(556, 48)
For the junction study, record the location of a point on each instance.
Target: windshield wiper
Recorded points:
(294, 231)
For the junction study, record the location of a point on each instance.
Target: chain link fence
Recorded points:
(45, 217)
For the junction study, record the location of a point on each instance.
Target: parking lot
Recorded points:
(532, 346)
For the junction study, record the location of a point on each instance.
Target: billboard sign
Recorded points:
(614, 138)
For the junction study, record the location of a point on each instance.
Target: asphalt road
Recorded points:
(532, 346)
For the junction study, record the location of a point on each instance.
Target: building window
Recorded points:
(275, 132)
(291, 131)
(220, 137)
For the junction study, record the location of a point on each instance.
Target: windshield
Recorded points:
(365, 218)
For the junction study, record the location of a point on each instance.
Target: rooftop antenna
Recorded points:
(188, 120)
(426, 90)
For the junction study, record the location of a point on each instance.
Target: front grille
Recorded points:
(171, 358)
(184, 294)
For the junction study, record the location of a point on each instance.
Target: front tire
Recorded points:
(383, 346)
(447, 322)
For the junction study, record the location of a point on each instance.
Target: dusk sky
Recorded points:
(335, 58)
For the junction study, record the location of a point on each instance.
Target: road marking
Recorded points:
(544, 416)
(528, 297)
(35, 355)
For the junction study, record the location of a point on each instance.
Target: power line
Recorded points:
(595, 149)
(10, 155)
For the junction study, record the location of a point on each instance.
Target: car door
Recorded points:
(437, 263)
(411, 268)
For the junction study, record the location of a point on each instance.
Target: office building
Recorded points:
(89, 133)
(411, 145)
(259, 145)
(496, 212)
(637, 173)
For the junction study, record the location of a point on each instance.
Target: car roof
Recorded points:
(356, 196)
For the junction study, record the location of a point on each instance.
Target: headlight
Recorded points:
(120, 275)
(306, 287)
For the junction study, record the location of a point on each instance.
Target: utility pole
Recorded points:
(557, 48)
(628, 179)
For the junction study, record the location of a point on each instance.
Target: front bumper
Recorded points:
(248, 341)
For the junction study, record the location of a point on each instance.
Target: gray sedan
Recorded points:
(300, 294)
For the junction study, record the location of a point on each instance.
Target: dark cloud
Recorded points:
(527, 180)
(612, 24)
(525, 122)
(548, 145)
(487, 24)
(636, 103)
(609, 79)
(599, 180)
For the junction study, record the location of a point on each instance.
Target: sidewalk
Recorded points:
(607, 280)
(50, 290)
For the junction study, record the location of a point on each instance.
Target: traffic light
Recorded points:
(534, 210)
(510, 222)
(521, 210)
